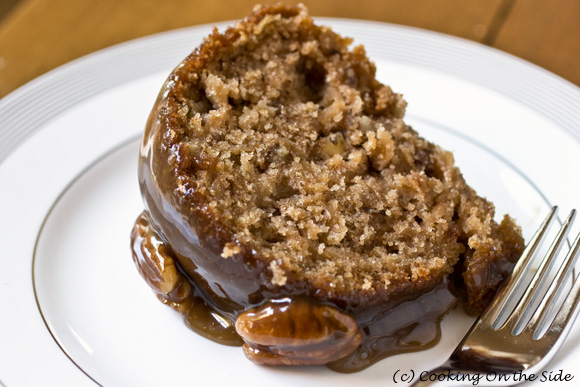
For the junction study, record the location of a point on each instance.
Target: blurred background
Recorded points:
(38, 35)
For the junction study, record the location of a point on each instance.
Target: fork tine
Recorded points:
(505, 292)
(566, 315)
(556, 287)
(532, 290)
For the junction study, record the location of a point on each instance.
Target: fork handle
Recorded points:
(449, 375)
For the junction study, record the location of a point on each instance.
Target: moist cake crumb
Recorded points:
(299, 146)
(230, 249)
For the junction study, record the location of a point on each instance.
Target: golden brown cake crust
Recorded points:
(275, 164)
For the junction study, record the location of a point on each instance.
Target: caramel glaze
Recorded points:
(408, 326)
(405, 325)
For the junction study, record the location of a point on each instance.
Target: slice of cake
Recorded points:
(288, 204)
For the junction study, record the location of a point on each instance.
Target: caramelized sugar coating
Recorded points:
(275, 165)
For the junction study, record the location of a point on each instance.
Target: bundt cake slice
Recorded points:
(289, 194)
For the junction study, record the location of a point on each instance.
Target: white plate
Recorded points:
(73, 310)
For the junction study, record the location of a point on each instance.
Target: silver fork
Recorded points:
(498, 353)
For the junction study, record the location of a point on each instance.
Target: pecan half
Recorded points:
(300, 331)
(158, 267)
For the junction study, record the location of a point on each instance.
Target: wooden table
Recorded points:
(39, 35)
